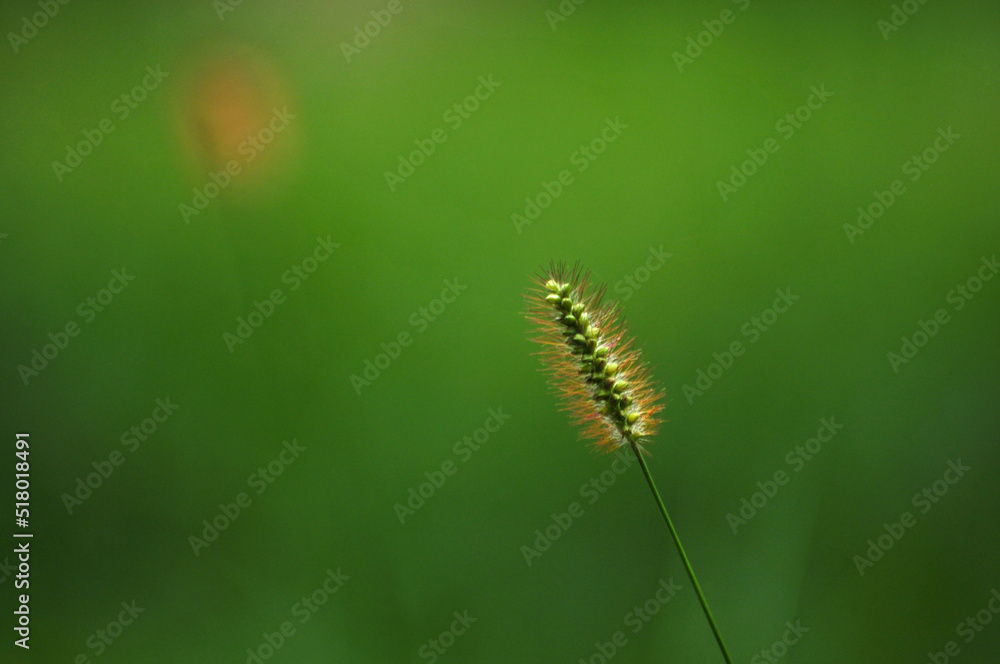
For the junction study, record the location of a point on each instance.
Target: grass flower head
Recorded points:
(593, 364)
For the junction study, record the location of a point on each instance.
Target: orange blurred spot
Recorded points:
(226, 111)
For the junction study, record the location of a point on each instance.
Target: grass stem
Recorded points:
(680, 548)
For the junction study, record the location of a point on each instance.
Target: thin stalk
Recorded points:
(680, 548)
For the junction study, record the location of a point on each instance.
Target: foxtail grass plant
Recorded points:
(600, 377)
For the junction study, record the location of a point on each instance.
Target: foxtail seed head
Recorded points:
(598, 375)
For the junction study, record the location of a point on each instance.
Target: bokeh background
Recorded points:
(344, 119)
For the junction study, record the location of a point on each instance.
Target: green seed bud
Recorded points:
(619, 386)
(569, 319)
(578, 309)
(611, 369)
(553, 299)
(632, 417)
(552, 285)
(566, 304)
(601, 352)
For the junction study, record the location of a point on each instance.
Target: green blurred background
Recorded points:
(350, 117)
